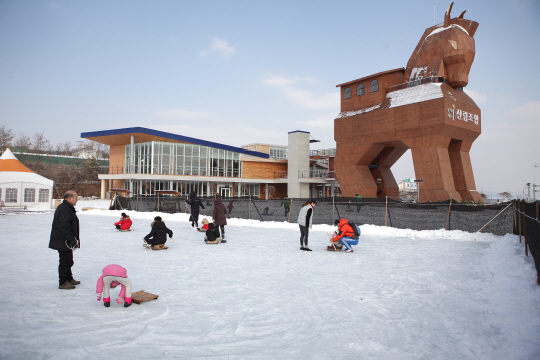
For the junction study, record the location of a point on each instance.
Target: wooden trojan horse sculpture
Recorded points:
(422, 108)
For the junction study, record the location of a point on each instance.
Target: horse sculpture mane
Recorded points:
(421, 107)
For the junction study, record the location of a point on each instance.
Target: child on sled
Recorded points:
(212, 234)
(124, 223)
(112, 276)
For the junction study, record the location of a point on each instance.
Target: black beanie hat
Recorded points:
(157, 218)
(336, 222)
(124, 215)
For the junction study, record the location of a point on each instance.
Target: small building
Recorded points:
(145, 160)
(20, 187)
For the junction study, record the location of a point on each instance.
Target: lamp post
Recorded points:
(418, 190)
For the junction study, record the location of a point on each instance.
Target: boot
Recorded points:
(128, 302)
(74, 282)
(66, 286)
(107, 302)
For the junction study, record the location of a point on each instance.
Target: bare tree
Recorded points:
(271, 191)
(6, 136)
(505, 194)
(40, 143)
(67, 148)
(23, 141)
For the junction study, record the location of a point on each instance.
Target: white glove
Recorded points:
(119, 300)
(98, 297)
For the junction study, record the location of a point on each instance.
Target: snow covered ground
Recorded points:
(402, 294)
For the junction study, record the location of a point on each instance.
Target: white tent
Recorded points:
(21, 187)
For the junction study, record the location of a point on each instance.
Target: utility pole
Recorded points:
(529, 192)
(434, 23)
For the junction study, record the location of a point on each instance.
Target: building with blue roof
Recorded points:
(144, 161)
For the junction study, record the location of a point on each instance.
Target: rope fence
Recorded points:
(385, 212)
(494, 218)
(526, 224)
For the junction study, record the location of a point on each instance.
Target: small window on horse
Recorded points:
(374, 86)
(347, 93)
(360, 90)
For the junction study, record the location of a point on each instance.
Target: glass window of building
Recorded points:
(29, 195)
(374, 86)
(43, 195)
(181, 159)
(278, 152)
(360, 90)
(11, 195)
(347, 93)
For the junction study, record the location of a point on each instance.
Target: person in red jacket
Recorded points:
(124, 223)
(346, 234)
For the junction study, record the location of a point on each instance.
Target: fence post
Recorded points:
(525, 230)
(514, 230)
(386, 213)
(290, 211)
(137, 204)
(447, 227)
(333, 209)
(249, 207)
(519, 220)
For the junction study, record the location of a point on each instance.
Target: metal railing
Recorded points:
(323, 152)
(318, 174)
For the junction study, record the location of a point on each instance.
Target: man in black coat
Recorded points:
(195, 202)
(65, 238)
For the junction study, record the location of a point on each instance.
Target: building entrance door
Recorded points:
(225, 192)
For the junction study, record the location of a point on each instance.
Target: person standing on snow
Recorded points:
(286, 203)
(194, 202)
(65, 238)
(112, 276)
(358, 202)
(220, 217)
(305, 221)
(346, 234)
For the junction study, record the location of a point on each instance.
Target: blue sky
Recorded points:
(239, 72)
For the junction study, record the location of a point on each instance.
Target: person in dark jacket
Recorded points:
(159, 232)
(220, 216)
(65, 238)
(194, 202)
(212, 233)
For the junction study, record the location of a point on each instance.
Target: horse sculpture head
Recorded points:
(445, 50)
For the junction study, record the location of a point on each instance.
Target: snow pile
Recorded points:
(345, 114)
(402, 294)
(415, 94)
(438, 30)
(403, 97)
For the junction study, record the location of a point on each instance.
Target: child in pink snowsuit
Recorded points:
(114, 275)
